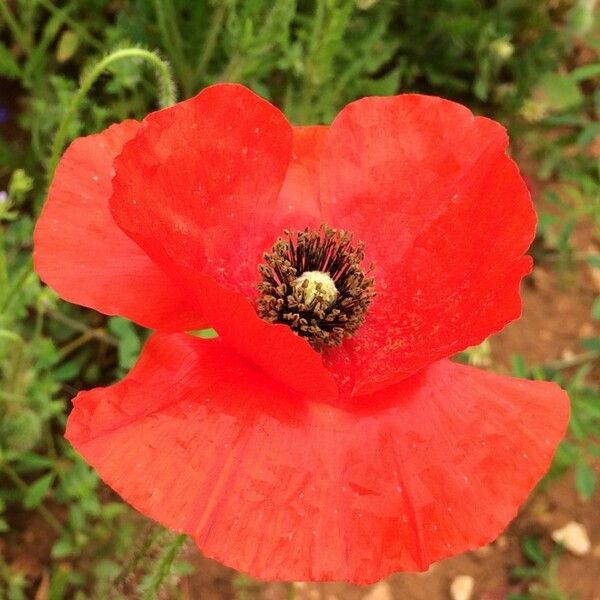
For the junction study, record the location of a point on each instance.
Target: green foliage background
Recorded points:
(67, 69)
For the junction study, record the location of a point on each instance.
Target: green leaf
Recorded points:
(525, 573)
(384, 86)
(533, 552)
(596, 309)
(588, 134)
(560, 91)
(106, 569)
(59, 582)
(29, 461)
(594, 261)
(67, 371)
(565, 234)
(591, 343)
(519, 368)
(37, 491)
(63, 548)
(581, 18)
(585, 72)
(589, 404)
(577, 426)
(129, 341)
(183, 568)
(585, 481)
(545, 221)
(9, 67)
(567, 453)
(206, 334)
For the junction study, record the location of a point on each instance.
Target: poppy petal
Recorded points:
(281, 488)
(298, 205)
(446, 218)
(197, 188)
(81, 253)
(198, 184)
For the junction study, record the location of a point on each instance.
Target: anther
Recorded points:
(313, 282)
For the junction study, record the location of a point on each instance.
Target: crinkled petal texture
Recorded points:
(198, 188)
(207, 186)
(281, 487)
(81, 253)
(446, 219)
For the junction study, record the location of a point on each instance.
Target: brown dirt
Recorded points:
(26, 548)
(556, 315)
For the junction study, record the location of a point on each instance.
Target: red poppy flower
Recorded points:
(323, 435)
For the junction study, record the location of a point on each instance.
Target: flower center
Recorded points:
(318, 286)
(312, 281)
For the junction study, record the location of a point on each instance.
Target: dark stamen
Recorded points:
(318, 313)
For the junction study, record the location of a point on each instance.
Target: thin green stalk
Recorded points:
(171, 37)
(36, 142)
(233, 69)
(313, 49)
(163, 567)
(98, 333)
(14, 27)
(216, 24)
(17, 358)
(573, 361)
(17, 364)
(75, 344)
(72, 23)
(167, 94)
(39, 322)
(49, 438)
(152, 534)
(21, 485)
(16, 286)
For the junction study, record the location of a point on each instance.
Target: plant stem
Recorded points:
(16, 30)
(167, 94)
(573, 361)
(46, 514)
(17, 362)
(17, 358)
(16, 286)
(210, 43)
(163, 567)
(148, 540)
(98, 333)
(171, 37)
(233, 69)
(311, 58)
(73, 345)
(72, 23)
